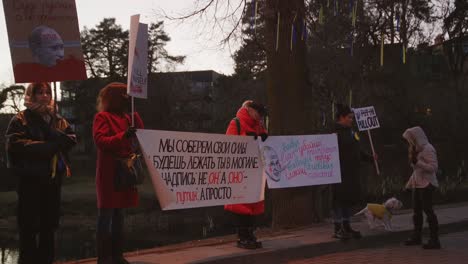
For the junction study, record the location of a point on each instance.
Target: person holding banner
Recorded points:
(248, 122)
(38, 141)
(114, 136)
(347, 193)
(423, 182)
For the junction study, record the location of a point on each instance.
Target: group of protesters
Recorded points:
(39, 139)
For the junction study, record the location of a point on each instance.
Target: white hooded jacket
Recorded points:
(425, 169)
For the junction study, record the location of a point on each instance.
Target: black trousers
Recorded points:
(38, 215)
(245, 226)
(36, 246)
(422, 202)
(110, 233)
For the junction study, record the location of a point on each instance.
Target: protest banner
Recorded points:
(197, 170)
(138, 59)
(294, 161)
(44, 40)
(366, 119)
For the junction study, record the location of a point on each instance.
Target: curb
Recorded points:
(320, 249)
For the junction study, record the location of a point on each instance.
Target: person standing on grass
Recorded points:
(248, 122)
(114, 137)
(347, 193)
(423, 159)
(38, 140)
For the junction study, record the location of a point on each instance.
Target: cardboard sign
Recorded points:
(366, 118)
(138, 59)
(198, 170)
(294, 161)
(44, 40)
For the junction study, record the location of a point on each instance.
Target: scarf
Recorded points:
(46, 111)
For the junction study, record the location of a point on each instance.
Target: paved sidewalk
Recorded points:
(454, 251)
(284, 246)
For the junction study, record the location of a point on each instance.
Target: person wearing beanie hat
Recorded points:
(38, 140)
(347, 193)
(248, 122)
(115, 138)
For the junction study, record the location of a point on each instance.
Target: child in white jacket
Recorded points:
(423, 181)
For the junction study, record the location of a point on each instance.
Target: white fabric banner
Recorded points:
(198, 170)
(294, 161)
(137, 79)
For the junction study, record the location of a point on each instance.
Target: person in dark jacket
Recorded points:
(248, 122)
(37, 144)
(347, 193)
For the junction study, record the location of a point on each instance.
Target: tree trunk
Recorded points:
(287, 93)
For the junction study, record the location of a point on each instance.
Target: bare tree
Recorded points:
(11, 98)
(287, 87)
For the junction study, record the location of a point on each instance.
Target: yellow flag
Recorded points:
(404, 54)
(54, 165)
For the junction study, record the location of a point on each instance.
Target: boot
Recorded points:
(347, 228)
(46, 246)
(28, 251)
(244, 239)
(253, 238)
(415, 239)
(118, 242)
(117, 251)
(433, 242)
(340, 233)
(104, 248)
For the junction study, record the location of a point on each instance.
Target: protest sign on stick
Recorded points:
(197, 170)
(44, 40)
(294, 161)
(366, 119)
(137, 76)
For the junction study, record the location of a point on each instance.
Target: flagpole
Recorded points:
(133, 111)
(54, 84)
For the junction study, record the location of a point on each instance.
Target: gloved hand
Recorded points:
(264, 136)
(414, 159)
(131, 132)
(252, 134)
(65, 141)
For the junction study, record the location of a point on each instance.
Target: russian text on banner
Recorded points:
(198, 170)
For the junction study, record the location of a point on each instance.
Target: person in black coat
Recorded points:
(37, 144)
(347, 193)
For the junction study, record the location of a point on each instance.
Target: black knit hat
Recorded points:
(260, 108)
(342, 110)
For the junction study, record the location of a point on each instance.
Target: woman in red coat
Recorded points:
(248, 122)
(115, 138)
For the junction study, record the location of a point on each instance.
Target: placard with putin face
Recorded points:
(296, 161)
(44, 40)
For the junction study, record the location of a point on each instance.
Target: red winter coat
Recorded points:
(108, 133)
(247, 125)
